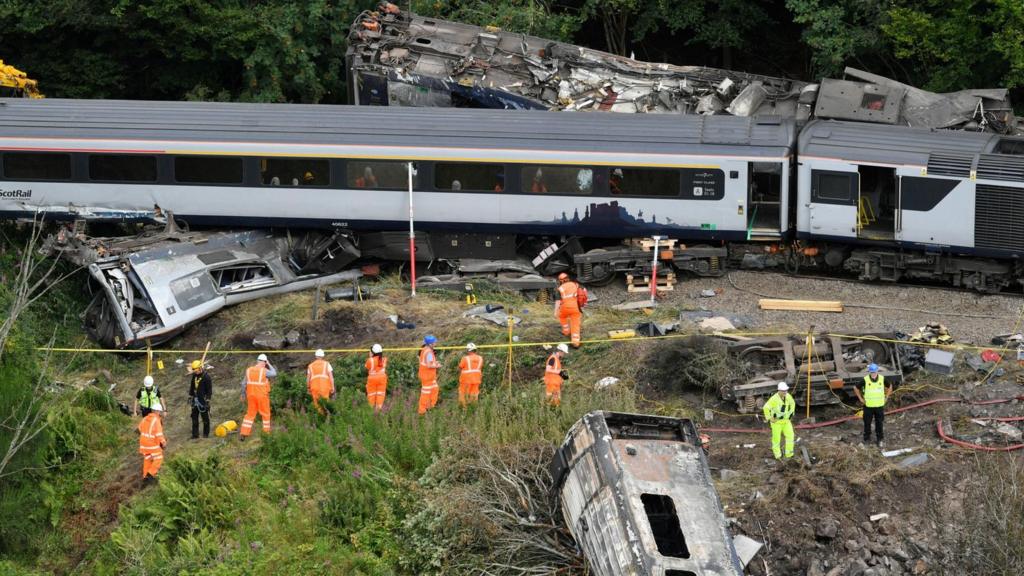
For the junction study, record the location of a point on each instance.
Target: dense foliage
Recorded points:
(293, 50)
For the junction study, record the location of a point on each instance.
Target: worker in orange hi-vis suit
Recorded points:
(151, 442)
(256, 393)
(428, 374)
(567, 308)
(376, 378)
(320, 379)
(471, 373)
(554, 375)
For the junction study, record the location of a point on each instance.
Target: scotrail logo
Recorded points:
(16, 193)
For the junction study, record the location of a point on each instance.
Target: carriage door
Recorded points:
(833, 208)
(764, 200)
(877, 203)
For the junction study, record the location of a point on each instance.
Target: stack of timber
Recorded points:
(643, 283)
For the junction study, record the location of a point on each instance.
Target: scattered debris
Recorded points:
(800, 305)
(911, 461)
(655, 329)
(897, 452)
(932, 333)
(1008, 430)
(939, 361)
(708, 293)
(635, 305)
(495, 314)
(716, 324)
(607, 381)
(636, 497)
(877, 517)
(746, 548)
(268, 340)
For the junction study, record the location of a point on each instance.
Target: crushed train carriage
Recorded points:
(637, 496)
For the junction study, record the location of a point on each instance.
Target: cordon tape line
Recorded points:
(363, 350)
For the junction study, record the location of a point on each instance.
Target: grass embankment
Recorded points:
(394, 494)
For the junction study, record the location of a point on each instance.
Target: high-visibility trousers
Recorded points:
(429, 391)
(318, 391)
(571, 321)
(376, 390)
(256, 403)
(553, 390)
(782, 428)
(151, 463)
(469, 392)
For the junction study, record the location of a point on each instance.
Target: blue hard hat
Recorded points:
(429, 339)
(873, 367)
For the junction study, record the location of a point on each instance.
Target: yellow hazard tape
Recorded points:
(416, 348)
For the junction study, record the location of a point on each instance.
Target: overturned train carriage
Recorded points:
(636, 495)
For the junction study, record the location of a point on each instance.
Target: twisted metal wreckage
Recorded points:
(397, 58)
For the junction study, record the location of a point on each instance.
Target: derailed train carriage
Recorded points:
(637, 496)
(884, 202)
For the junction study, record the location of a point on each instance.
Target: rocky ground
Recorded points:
(870, 307)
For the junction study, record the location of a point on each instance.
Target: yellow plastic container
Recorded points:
(225, 428)
(621, 334)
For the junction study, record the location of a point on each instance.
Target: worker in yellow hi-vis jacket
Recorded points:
(778, 411)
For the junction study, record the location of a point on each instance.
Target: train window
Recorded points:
(833, 187)
(295, 172)
(37, 166)
(643, 182)
(208, 169)
(469, 176)
(557, 180)
(380, 175)
(122, 168)
(664, 522)
(703, 184)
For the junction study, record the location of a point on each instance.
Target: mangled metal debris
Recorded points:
(510, 274)
(149, 288)
(396, 58)
(637, 496)
(401, 59)
(836, 365)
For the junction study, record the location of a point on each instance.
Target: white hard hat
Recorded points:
(783, 386)
(319, 353)
(470, 346)
(563, 348)
(261, 358)
(376, 349)
(147, 381)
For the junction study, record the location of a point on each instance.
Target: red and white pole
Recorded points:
(412, 236)
(654, 269)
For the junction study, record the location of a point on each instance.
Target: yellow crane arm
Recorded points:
(11, 77)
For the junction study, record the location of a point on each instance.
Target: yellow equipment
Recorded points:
(223, 429)
(18, 81)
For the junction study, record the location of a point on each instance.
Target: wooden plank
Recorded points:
(801, 305)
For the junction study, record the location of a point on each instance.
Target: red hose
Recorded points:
(972, 445)
(897, 411)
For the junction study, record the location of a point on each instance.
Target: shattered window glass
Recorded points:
(295, 172)
(37, 166)
(556, 180)
(380, 175)
(469, 176)
(643, 182)
(122, 168)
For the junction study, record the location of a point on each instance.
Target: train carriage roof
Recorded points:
(396, 126)
(862, 142)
